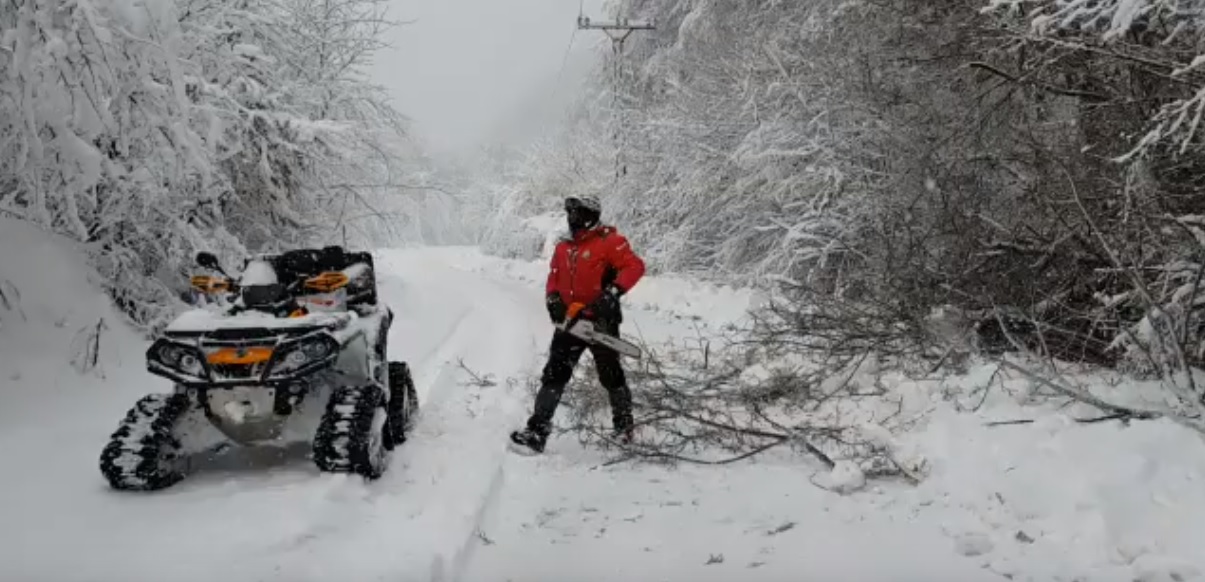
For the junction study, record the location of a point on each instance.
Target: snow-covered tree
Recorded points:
(150, 130)
(902, 156)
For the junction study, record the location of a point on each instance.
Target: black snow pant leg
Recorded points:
(612, 377)
(563, 356)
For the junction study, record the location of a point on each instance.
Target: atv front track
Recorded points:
(350, 438)
(143, 451)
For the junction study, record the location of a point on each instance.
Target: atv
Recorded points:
(293, 349)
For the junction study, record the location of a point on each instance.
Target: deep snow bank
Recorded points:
(1030, 493)
(62, 343)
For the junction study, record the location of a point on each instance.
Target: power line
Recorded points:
(565, 58)
(564, 61)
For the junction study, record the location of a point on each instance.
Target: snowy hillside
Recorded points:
(1050, 500)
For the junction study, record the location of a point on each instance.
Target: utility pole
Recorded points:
(618, 31)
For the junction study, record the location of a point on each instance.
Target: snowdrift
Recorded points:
(62, 343)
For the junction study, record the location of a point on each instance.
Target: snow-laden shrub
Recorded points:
(1136, 63)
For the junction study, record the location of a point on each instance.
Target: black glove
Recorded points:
(557, 310)
(606, 307)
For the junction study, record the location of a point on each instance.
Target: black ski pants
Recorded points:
(563, 357)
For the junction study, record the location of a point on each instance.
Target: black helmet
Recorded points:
(582, 212)
(584, 202)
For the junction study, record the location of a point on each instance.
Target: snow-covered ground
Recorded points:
(1051, 500)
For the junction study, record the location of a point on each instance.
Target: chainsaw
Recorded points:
(584, 329)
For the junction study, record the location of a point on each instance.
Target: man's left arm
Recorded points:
(629, 267)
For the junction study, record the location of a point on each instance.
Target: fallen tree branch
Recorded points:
(1095, 419)
(1082, 396)
(478, 381)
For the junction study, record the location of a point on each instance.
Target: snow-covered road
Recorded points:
(456, 506)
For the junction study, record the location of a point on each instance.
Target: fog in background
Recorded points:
(474, 72)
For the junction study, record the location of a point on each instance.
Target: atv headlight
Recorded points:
(302, 355)
(191, 365)
(295, 360)
(175, 357)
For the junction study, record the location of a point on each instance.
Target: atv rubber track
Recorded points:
(344, 437)
(141, 450)
(403, 403)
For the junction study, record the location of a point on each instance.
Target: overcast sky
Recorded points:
(463, 66)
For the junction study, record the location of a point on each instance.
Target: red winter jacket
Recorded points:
(581, 267)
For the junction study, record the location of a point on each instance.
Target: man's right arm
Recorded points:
(550, 285)
(552, 297)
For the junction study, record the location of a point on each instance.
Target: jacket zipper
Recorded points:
(573, 254)
(573, 273)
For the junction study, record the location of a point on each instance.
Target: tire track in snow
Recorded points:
(405, 303)
(504, 407)
(513, 405)
(464, 553)
(449, 476)
(432, 368)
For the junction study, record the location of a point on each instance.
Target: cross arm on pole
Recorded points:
(623, 24)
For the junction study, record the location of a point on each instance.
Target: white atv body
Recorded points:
(305, 365)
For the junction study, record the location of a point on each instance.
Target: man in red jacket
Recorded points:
(595, 266)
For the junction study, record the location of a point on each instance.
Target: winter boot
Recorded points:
(530, 439)
(622, 435)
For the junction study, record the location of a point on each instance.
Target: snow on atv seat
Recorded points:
(202, 320)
